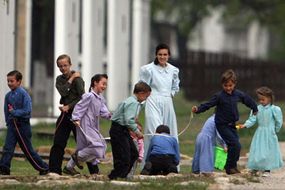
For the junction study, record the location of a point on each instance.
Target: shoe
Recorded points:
(146, 169)
(4, 171)
(111, 177)
(70, 171)
(232, 171)
(266, 174)
(75, 159)
(236, 170)
(44, 172)
(254, 172)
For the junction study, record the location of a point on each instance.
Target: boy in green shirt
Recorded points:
(124, 119)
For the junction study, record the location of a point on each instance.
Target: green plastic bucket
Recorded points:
(220, 158)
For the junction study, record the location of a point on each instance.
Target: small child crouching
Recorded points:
(163, 154)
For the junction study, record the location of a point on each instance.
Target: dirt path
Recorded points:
(244, 181)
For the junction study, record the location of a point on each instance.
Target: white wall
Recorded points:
(258, 41)
(117, 55)
(66, 38)
(118, 51)
(7, 40)
(141, 36)
(92, 39)
(211, 35)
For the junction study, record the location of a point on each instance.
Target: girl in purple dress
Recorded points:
(91, 145)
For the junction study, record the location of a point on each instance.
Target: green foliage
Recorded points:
(237, 14)
(186, 13)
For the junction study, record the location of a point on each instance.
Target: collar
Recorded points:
(266, 106)
(96, 95)
(163, 69)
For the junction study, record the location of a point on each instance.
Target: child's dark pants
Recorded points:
(63, 128)
(123, 149)
(20, 132)
(230, 136)
(161, 165)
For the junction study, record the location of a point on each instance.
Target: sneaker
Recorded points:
(266, 174)
(70, 171)
(75, 159)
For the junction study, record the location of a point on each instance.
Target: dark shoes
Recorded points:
(4, 171)
(232, 171)
(70, 171)
(111, 177)
(75, 159)
(44, 172)
(146, 169)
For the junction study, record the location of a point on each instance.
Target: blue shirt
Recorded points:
(21, 102)
(226, 106)
(127, 112)
(162, 144)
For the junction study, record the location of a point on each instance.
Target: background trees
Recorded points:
(184, 15)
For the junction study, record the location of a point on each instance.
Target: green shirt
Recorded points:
(70, 93)
(127, 112)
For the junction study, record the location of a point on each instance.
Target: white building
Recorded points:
(7, 49)
(211, 35)
(101, 36)
(127, 37)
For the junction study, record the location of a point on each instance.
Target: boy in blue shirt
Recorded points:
(227, 115)
(163, 154)
(124, 119)
(17, 109)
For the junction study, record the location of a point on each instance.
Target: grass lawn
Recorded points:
(20, 167)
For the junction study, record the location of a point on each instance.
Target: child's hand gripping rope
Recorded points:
(77, 124)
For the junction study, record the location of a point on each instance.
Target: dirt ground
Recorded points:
(276, 180)
(243, 181)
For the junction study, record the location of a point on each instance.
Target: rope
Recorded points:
(187, 126)
(57, 126)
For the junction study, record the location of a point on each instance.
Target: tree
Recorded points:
(185, 15)
(188, 13)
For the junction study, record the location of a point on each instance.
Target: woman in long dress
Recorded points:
(163, 79)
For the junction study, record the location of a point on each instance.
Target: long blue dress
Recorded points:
(203, 159)
(164, 83)
(264, 151)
